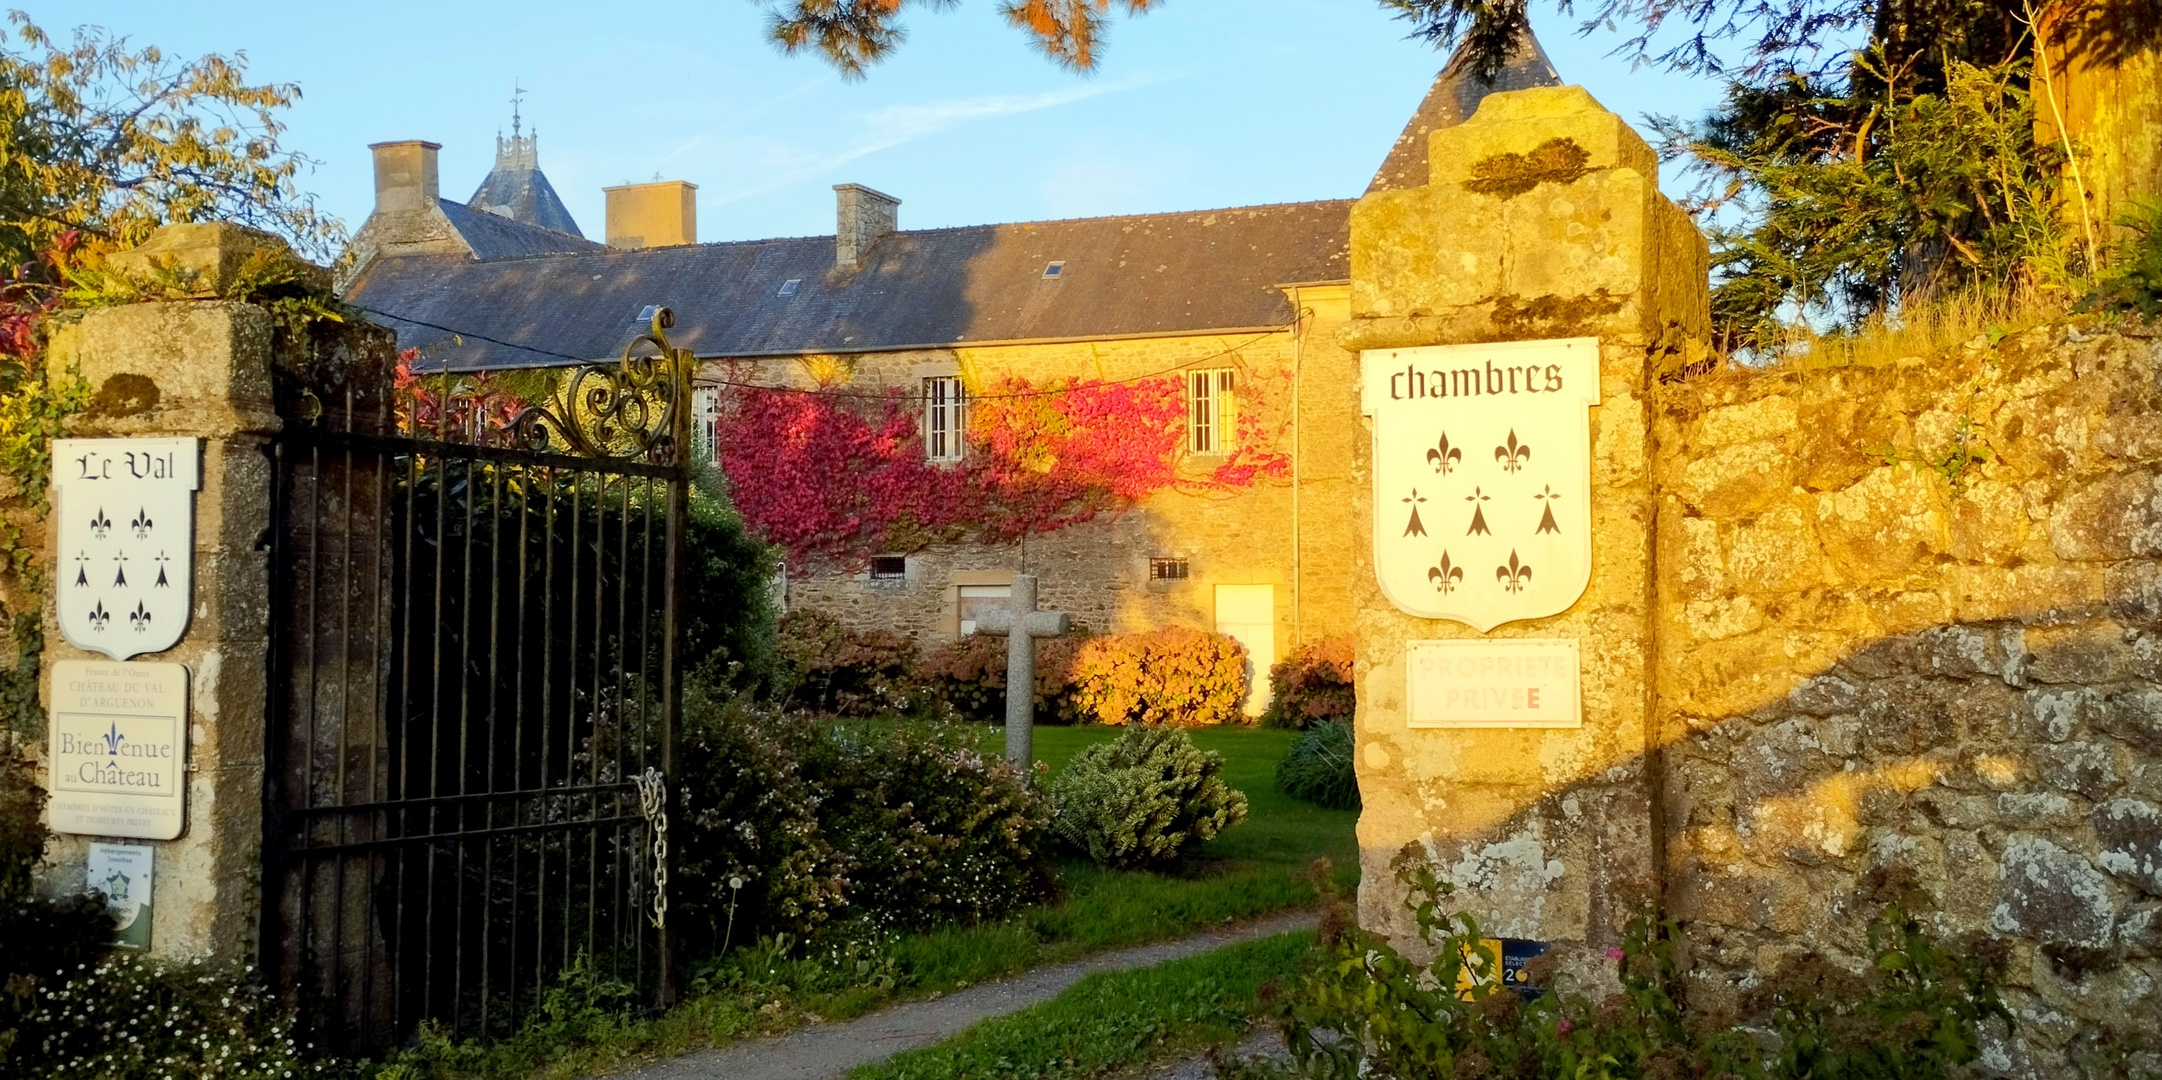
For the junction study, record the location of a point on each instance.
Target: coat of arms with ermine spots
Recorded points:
(1482, 477)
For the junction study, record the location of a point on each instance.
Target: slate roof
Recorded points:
(525, 196)
(1123, 276)
(1452, 99)
(492, 236)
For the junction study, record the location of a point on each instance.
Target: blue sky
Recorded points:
(1201, 104)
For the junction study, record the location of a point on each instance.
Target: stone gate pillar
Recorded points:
(199, 369)
(1542, 220)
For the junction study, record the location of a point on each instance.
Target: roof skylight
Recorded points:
(788, 288)
(1056, 269)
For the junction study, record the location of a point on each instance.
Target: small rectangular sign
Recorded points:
(118, 749)
(1506, 683)
(123, 873)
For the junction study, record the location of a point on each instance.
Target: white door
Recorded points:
(974, 600)
(1248, 613)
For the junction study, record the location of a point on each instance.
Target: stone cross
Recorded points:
(1022, 624)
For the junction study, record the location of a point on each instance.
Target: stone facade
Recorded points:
(1290, 533)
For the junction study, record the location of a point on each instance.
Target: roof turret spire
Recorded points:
(516, 188)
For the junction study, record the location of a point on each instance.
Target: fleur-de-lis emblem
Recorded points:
(1444, 457)
(140, 617)
(1514, 575)
(112, 739)
(99, 616)
(141, 524)
(1512, 455)
(100, 525)
(1445, 577)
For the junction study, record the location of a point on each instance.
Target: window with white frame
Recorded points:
(945, 418)
(705, 422)
(1209, 418)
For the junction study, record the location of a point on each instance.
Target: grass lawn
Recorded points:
(1110, 1020)
(1259, 866)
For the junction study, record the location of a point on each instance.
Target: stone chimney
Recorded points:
(660, 214)
(863, 215)
(405, 176)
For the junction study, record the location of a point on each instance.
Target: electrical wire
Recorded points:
(877, 396)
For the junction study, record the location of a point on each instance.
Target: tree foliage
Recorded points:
(1830, 200)
(854, 34)
(101, 137)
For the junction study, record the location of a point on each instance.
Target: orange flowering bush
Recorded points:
(1176, 676)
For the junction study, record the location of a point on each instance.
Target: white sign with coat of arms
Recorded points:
(126, 510)
(1482, 477)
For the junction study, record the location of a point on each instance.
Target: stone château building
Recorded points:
(1242, 305)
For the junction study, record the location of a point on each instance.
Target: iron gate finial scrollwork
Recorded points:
(638, 408)
(653, 803)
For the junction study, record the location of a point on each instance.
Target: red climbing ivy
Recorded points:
(842, 474)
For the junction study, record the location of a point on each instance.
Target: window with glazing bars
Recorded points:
(705, 421)
(1167, 570)
(944, 418)
(1208, 414)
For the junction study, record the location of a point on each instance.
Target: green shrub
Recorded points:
(2134, 280)
(728, 628)
(906, 826)
(1318, 767)
(1311, 685)
(1177, 676)
(1145, 798)
(934, 831)
(969, 675)
(1366, 1010)
(127, 1017)
(746, 808)
(826, 668)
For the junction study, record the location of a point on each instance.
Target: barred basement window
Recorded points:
(888, 567)
(944, 418)
(705, 422)
(1209, 417)
(1167, 570)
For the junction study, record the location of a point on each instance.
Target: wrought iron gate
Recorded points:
(474, 693)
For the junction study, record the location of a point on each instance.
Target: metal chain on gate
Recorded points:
(653, 803)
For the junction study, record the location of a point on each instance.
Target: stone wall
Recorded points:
(1910, 635)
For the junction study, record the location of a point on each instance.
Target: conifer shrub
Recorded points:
(1318, 768)
(1176, 676)
(1312, 685)
(1143, 799)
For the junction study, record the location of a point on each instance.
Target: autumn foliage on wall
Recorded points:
(841, 473)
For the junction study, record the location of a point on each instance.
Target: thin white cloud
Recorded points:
(896, 125)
